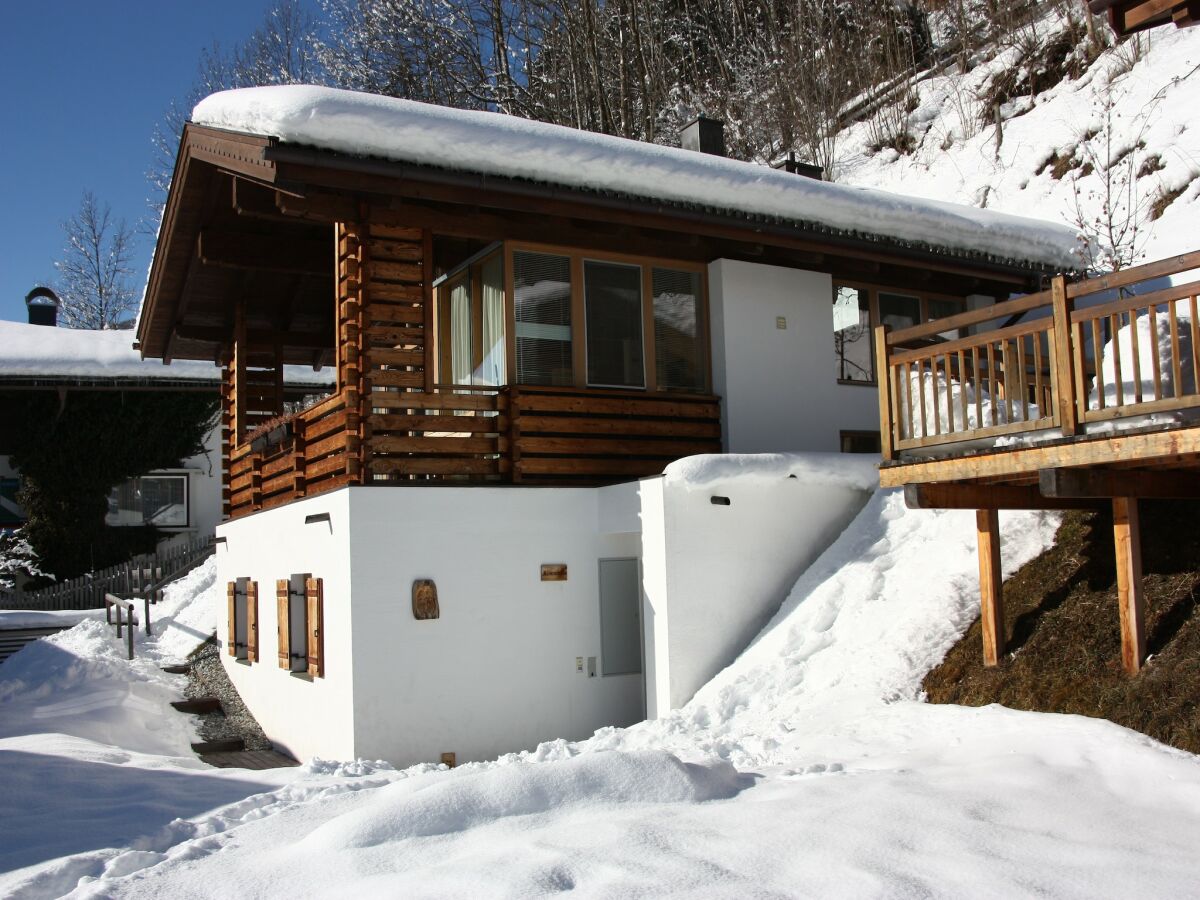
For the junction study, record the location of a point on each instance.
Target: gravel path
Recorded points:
(207, 678)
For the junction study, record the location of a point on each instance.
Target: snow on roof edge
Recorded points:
(850, 470)
(492, 143)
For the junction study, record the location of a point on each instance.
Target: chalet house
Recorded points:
(468, 546)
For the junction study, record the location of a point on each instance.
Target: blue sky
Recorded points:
(83, 85)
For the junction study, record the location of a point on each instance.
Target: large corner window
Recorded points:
(542, 312)
(678, 351)
(852, 335)
(159, 500)
(613, 311)
(471, 308)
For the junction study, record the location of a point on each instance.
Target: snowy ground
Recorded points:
(809, 767)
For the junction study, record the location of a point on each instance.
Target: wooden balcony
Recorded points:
(462, 436)
(1037, 404)
(1047, 376)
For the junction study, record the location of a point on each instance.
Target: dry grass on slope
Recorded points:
(1064, 645)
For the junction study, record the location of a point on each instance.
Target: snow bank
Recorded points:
(39, 351)
(410, 809)
(507, 146)
(1141, 379)
(854, 471)
(54, 618)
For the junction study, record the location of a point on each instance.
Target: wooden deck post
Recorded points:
(1130, 600)
(987, 529)
(1064, 358)
(887, 441)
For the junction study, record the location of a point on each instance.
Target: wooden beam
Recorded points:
(255, 337)
(1176, 446)
(236, 250)
(991, 586)
(1139, 14)
(985, 496)
(1105, 483)
(1130, 600)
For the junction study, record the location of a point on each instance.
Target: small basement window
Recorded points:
(160, 500)
(861, 442)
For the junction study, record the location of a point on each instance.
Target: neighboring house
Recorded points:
(453, 553)
(185, 501)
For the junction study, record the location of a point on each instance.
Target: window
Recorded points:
(291, 611)
(160, 500)
(899, 310)
(613, 312)
(242, 609)
(471, 309)
(861, 442)
(678, 351)
(542, 311)
(852, 335)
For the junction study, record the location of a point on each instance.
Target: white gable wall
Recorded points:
(778, 386)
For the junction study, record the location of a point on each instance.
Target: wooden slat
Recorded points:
(620, 406)
(392, 378)
(378, 356)
(972, 317)
(252, 621)
(474, 424)
(546, 465)
(314, 595)
(435, 445)
(615, 446)
(231, 621)
(1148, 272)
(541, 424)
(415, 465)
(422, 400)
(283, 622)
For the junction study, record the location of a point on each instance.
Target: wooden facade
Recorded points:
(273, 255)
(1090, 420)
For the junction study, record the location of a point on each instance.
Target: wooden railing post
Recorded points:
(991, 585)
(1130, 599)
(883, 377)
(1064, 359)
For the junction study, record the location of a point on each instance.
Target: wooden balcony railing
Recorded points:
(962, 379)
(456, 435)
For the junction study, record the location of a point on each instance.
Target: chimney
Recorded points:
(796, 167)
(705, 135)
(42, 304)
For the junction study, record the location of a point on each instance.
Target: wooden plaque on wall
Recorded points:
(554, 572)
(425, 599)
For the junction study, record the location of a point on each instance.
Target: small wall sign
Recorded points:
(554, 572)
(425, 599)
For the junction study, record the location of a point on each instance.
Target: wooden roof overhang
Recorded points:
(245, 211)
(1129, 16)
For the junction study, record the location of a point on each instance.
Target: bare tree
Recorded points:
(93, 275)
(280, 51)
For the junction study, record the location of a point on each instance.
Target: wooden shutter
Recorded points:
(252, 621)
(282, 617)
(314, 597)
(231, 594)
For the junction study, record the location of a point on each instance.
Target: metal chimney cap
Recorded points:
(42, 296)
(703, 134)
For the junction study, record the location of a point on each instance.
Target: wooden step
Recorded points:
(198, 705)
(177, 670)
(234, 745)
(249, 759)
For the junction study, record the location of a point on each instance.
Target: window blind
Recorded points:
(542, 310)
(678, 352)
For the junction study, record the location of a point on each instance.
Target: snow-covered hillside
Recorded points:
(1128, 121)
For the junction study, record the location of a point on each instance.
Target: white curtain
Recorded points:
(492, 369)
(460, 333)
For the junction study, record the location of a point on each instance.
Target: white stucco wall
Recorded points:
(779, 385)
(304, 717)
(495, 673)
(713, 574)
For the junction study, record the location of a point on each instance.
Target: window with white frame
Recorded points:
(159, 500)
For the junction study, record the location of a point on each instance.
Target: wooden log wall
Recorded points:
(412, 429)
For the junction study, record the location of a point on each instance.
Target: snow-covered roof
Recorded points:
(506, 146)
(43, 352)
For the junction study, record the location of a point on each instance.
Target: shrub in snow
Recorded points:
(17, 559)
